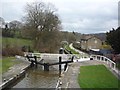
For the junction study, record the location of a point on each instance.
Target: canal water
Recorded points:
(38, 78)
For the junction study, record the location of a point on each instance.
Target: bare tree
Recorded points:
(15, 24)
(41, 16)
(42, 25)
(2, 22)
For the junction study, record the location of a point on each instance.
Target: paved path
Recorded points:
(71, 46)
(69, 78)
(83, 56)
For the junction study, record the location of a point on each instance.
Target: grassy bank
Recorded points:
(16, 42)
(96, 76)
(6, 63)
(69, 49)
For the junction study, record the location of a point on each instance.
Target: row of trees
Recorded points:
(15, 24)
(42, 25)
(11, 29)
(113, 38)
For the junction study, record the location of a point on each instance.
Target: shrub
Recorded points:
(11, 51)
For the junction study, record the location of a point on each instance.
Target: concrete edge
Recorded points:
(14, 78)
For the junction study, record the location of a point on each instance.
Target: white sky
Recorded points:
(84, 16)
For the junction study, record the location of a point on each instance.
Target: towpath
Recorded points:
(69, 78)
(15, 70)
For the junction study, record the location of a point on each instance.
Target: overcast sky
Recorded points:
(83, 16)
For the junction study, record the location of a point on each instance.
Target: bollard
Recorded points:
(60, 58)
(32, 64)
(35, 61)
(61, 51)
(46, 66)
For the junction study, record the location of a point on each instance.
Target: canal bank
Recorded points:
(14, 73)
(68, 78)
(18, 77)
(23, 76)
(38, 78)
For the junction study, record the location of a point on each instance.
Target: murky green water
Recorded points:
(37, 78)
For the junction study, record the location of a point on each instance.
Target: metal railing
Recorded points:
(106, 60)
(56, 56)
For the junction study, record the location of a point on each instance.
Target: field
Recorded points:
(6, 62)
(16, 42)
(96, 76)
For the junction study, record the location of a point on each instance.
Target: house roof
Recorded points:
(87, 37)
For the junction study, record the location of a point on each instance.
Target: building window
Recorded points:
(95, 41)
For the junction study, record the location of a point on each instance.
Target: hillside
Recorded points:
(102, 36)
(16, 42)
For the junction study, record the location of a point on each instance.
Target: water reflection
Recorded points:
(37, 78)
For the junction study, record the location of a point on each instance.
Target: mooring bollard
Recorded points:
(35, 57)
(60, 59)
(32, 64)
(46, 66)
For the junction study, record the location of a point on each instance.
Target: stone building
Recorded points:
(90, 42)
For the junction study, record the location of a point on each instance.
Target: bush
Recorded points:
(11, 51)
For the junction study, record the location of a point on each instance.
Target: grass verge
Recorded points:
(69, 49)
(15, 42)
(6, 63)
(97, 76)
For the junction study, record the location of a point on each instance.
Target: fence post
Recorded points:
(107, 60)
(104, 59)
(96, 57)
(110, 64)
(114, 66)
(100, 58)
